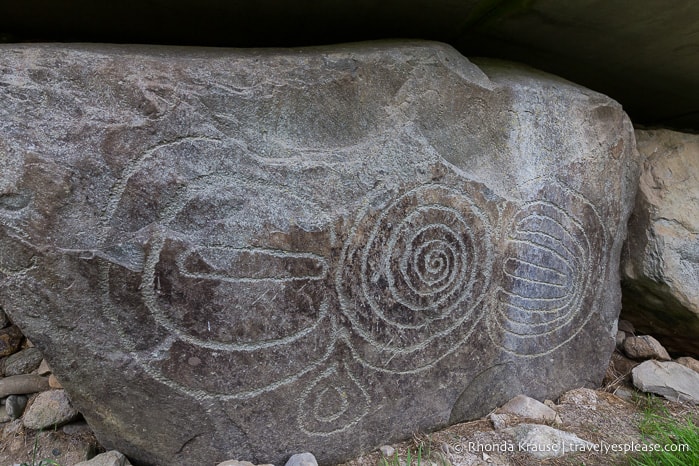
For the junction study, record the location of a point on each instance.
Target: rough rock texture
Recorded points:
(14, 405)
(689, 362)
(646, 57)
(4, 415)
(526, 407)
(235, 463)
(669, 379)
(302, 459)
(22, 362)
(645, 347)
(18, 446)
(4, 320)
(546, 442)
(338, 242)
(23, 384)
(240, 463)
(660, 264)
(10, 337)
(49, 409)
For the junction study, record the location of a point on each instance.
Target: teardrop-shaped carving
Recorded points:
(333, 402)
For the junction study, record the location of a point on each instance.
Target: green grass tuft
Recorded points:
(661, 428)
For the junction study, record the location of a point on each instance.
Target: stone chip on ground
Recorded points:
(54, 382)
(240, 463)
(586, 398)
(44, 368)
(526, 407)
(49, 409)
(544, 442)
(499, 421)
(645, 347)
(236, 463)
(302, 459)
(668, 379)
(110, 458)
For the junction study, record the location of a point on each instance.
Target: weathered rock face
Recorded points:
(660, 265)
(248, 254)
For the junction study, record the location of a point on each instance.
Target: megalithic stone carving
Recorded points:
(229, 253)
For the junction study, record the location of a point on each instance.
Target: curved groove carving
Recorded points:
(332, 403)
(412, 274)
(550, 271)
(214, 298)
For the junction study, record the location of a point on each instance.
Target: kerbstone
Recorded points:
(253, 253)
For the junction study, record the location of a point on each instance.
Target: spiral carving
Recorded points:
(412, 273)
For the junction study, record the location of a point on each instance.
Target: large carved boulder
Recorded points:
(660, 262)
(249, 254)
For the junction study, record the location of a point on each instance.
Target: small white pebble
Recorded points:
(387, 451)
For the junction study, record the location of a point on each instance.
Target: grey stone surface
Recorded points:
(338, 242)
(4, 320)
(110, 458)
(4, 415)
(49, 409)
(235, 463)
(583, 397)
(76, 428)
(660, 262)
(669, 379)
(22, 384)
(43, 368)
(302, 459)
(645, 347)
(526, 407)
(14, 405)
(543, 442)
(688, 362)
(499, 421)
(645, 57)
(23, 362)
